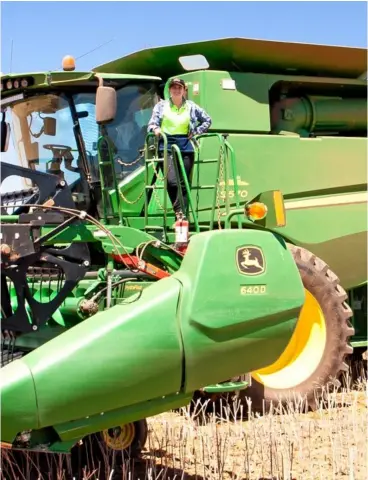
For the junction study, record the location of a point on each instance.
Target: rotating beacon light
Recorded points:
(68, 63)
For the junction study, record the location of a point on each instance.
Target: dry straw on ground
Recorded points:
(327, 444)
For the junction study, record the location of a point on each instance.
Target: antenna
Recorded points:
(11, 56)
(90, 51)
(94, 49)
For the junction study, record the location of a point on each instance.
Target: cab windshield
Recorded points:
(41, 124)
(46, 129)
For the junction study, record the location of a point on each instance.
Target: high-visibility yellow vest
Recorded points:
(175, 120)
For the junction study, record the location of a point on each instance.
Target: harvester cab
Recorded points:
(104, 321)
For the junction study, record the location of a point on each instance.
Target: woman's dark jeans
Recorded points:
(172, 181)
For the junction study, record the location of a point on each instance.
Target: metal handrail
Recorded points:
(101, 139)
(165, 169)
(175, 148)
(225, 148)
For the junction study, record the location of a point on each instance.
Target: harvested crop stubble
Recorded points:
(327, 444)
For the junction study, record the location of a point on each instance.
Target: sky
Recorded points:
(35, 36)
(43, 32)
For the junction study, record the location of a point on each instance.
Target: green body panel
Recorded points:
(246, 54)
(248, 102)
(77, 429)
(224, 320)
(133, 345)
(321, 192)
(65, 79)
(161, 343)
(343, 249)
(149, 350)
(359, 344)
(18, 395)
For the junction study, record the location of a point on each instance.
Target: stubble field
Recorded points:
(289, 443)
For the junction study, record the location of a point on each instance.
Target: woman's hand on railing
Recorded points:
(156, 133)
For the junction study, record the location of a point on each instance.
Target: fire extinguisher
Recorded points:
(181, 233)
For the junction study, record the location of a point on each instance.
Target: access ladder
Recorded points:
(152, 159)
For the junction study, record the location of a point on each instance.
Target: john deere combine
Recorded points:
(105, 321)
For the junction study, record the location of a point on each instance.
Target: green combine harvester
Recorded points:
(106, 321)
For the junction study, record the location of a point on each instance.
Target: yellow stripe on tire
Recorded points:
(304, 352)
(122, 440)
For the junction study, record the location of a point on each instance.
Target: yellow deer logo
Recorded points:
(250, 260)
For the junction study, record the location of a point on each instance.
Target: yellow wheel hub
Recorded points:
(119, 438)
(303, 353)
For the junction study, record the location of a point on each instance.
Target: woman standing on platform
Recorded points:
(179, 119)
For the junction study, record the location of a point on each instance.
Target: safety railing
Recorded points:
(226, 151)
(226, 159)
(151, 160)
(103, 165)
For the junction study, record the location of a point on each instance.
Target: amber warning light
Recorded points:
(256, 211)
(68, 63)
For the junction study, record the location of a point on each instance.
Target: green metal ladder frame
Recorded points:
(225, 149)
(106, 191)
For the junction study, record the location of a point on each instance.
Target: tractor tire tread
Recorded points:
(324, 284)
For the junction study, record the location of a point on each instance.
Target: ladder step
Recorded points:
(147, 187)
(155, 160)
(203, 187)
(153, 227)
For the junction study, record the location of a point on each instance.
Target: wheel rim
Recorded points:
(119, 438)
(303, 353)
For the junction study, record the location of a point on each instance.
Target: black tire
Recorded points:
(324, 285)
(94, 453)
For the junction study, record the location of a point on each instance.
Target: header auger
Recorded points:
(112, 311)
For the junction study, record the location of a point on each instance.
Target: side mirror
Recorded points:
(5, 135)
(49, 126)
(105, 104)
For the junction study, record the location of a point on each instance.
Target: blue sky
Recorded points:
(43, 32)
